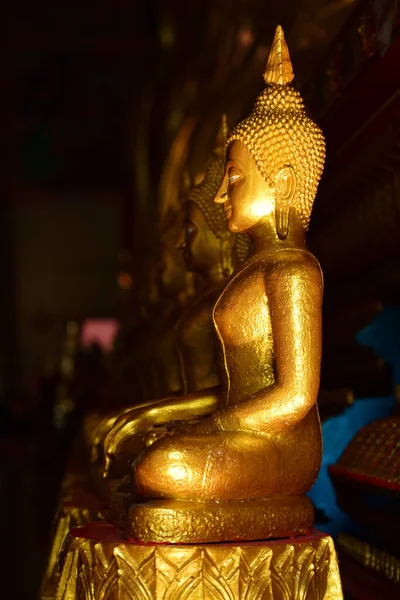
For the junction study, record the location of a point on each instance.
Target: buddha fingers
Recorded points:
(142, 420)
(101, 430)
(135, 421)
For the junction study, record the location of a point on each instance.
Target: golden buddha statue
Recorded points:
(260, 437)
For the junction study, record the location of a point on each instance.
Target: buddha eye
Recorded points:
(234, 175)
(191, 229)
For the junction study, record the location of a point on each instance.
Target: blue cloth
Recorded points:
(383, 336)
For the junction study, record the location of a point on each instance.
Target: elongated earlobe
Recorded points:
(282, 221)
(285, 191)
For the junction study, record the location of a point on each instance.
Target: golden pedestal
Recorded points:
(77, 507)
(180, 522)
(98, 562)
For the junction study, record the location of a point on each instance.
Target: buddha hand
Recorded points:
(132, 422)
(101, 430)
(145, 419)
(200, 426)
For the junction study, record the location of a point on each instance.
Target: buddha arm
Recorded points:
(295, 298)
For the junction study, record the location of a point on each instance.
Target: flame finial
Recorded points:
(279, 69)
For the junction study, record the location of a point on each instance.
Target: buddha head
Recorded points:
(206, 240)
(275, 157)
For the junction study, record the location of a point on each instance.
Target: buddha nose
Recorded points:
(222, 195)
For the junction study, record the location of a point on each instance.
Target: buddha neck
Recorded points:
(265, 237)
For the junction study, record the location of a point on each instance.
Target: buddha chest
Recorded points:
(242, 321)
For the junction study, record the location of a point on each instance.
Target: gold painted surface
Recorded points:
(279, 570)
(177, 521)
(279, 67)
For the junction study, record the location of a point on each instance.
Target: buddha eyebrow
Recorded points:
(234, 163)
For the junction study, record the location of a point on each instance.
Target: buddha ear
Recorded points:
(285, 190)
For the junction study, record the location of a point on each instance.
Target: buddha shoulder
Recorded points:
(286, 266)
(293, 263)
